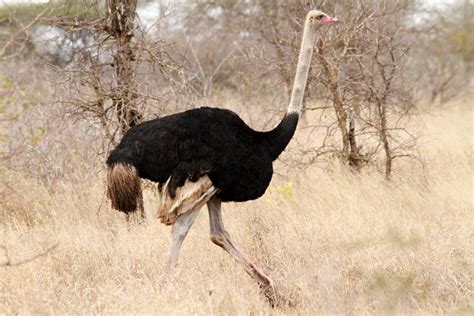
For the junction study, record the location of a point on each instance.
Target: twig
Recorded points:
(9, 263)
(23, 29)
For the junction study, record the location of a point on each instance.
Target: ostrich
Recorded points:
(206, 155)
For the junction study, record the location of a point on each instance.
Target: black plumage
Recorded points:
(211, 141)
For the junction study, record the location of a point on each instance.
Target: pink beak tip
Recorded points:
(329, 20)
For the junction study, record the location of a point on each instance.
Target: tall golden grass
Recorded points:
(334, 241)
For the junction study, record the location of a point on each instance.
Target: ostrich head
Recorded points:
(316, 17)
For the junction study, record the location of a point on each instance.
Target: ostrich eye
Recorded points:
(319, 17)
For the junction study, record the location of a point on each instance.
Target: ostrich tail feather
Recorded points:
(124, 187)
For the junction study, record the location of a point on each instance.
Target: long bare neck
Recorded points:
(277, 139)
(302, 69)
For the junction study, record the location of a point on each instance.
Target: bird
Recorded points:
(206, 156)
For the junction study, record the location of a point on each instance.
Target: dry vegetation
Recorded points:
(334, 241)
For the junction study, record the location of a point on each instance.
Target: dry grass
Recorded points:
(334, 241)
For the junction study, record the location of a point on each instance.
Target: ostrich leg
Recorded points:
(178, 233)
(220, 237)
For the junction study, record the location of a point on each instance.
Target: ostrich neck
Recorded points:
(278, 138)
(302, 69)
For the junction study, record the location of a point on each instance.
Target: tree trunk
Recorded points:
(120, 25)
(384, 138)
(355, 157)
(341, 114)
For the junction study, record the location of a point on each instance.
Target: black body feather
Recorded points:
(211, 141)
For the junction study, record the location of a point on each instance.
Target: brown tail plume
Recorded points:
(124, 187)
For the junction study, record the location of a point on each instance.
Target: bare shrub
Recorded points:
(359, 74)
(444, 55)
(118, 72)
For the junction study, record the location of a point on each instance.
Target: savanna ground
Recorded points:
(334, 241)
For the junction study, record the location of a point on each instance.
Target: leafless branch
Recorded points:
(9, 263)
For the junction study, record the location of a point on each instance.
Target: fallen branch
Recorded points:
(9, 263)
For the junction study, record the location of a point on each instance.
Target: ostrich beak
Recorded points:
(329, 20)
